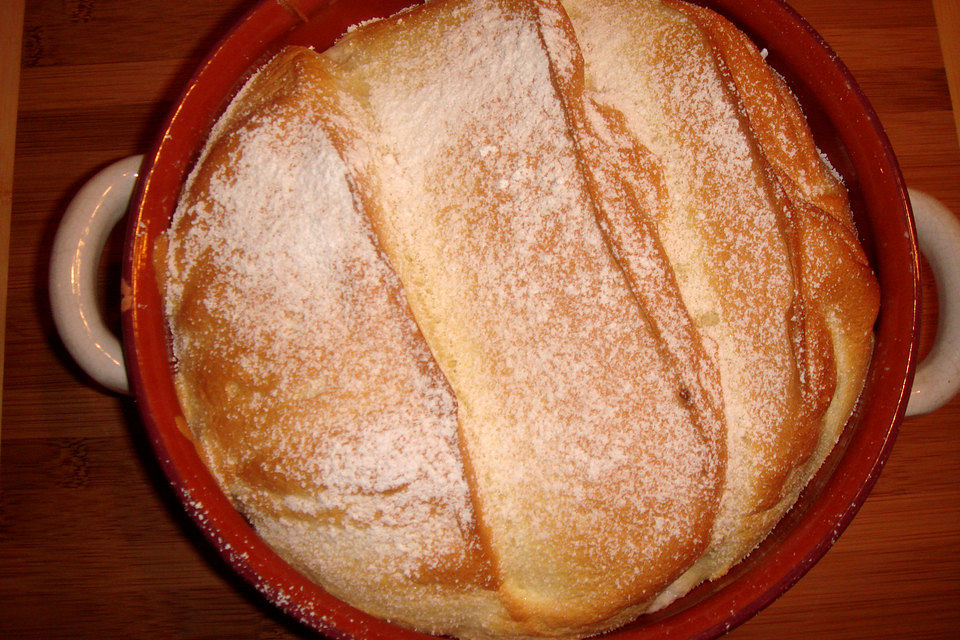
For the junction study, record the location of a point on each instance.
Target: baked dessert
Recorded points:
(516, 318)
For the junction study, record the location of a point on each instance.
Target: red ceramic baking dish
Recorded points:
(846, 129)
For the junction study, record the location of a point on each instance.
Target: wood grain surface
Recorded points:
(11, 30)
(92, 542)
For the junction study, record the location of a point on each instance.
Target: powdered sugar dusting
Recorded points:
(487, 221)
(434, 298)
(272, 271)
(722, 233)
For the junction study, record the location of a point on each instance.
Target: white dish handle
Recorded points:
(80, 239)
(938, 377)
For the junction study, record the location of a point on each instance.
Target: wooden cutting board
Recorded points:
(92, 542)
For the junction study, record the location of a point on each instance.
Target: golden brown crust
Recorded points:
(832, 338)
(277, 433)
(747, 191)
(816, 221)
(472, 285)
(810, 341)
(434, 338)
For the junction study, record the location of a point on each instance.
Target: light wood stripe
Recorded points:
(948, 27)
(11, 32)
